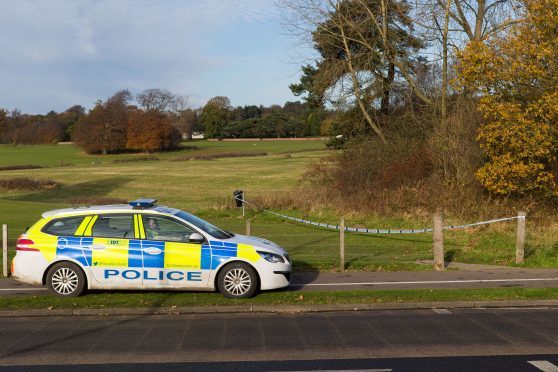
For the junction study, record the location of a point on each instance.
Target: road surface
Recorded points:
(460, 340)
(481, 277)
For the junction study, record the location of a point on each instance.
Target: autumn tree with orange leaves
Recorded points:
(151, 130)
(517, 77)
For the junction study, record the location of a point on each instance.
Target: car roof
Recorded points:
(115, 208)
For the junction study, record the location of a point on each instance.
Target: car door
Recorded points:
(169, 258)
(114, 263)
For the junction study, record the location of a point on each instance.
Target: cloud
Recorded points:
(88, 49)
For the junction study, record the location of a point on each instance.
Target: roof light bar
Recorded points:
(143, 203)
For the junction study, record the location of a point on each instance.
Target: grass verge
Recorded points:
(100, 300)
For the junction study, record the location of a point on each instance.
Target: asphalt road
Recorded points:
(508, 363)
(469, 277)
(440, 340)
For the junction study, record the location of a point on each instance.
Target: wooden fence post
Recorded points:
(438, 235)
(520, 242)
(5, 250)
(342, 244)
(248, 227)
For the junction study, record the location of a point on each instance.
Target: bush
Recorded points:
(336, 143)
(456, 153)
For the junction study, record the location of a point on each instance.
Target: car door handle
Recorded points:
(98, 246)
(152, 250)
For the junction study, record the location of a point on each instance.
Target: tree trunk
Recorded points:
(445, 62)
(386, 90)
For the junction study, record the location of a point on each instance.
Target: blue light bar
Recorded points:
(143, 203)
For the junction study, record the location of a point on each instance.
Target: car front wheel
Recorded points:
(238, 280)
(65, 279)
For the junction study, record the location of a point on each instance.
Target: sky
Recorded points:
(58, 53)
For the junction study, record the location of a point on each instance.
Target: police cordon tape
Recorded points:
(378, 231)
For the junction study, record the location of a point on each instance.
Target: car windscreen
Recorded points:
(214, 231)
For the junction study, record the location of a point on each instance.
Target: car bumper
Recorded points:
(29, 267)
(275, 276)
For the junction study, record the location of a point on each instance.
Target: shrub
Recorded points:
(336, 142)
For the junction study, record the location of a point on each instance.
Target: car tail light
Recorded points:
(24, 244)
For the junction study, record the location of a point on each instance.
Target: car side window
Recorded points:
(113, 226)
(166, 229)
(63, 226)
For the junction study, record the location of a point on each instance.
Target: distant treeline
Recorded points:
(159, 122)
(295, 119)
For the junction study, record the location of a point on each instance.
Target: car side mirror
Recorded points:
(196, 238)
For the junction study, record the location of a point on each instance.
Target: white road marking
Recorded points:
(430, 282)
(544, 365)
(441, 311)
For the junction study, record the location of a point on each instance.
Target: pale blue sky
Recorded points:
(57, 53)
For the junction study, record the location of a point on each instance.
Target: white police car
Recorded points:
(144, 246)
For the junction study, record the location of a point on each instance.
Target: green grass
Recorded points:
(205, 188)
(57, 155)
(100, 300)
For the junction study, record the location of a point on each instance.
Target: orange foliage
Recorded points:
(516, 76)
(151, 131)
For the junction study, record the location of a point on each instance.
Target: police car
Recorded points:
(144, 246)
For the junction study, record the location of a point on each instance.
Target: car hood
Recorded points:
(260, 242)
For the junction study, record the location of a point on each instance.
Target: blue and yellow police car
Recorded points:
(142, 245)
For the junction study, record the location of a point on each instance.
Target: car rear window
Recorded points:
(63, 226)
(114, 226)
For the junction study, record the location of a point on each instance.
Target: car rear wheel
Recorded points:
(237, 280)
(65, 279)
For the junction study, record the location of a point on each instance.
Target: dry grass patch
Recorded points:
(28, 184)
(96, 201)
(219, 156)
(20, 167)
(131, 160)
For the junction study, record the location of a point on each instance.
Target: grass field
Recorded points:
(205, 187)
(68, 154)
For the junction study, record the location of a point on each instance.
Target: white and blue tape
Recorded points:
(381, 231)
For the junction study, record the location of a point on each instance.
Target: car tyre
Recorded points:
(237, 280)
(65, 279)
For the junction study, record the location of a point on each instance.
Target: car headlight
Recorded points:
(271, 257)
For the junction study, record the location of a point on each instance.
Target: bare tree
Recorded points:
(186, 118)
(155, 99)
(448, 25)
(222, 102)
